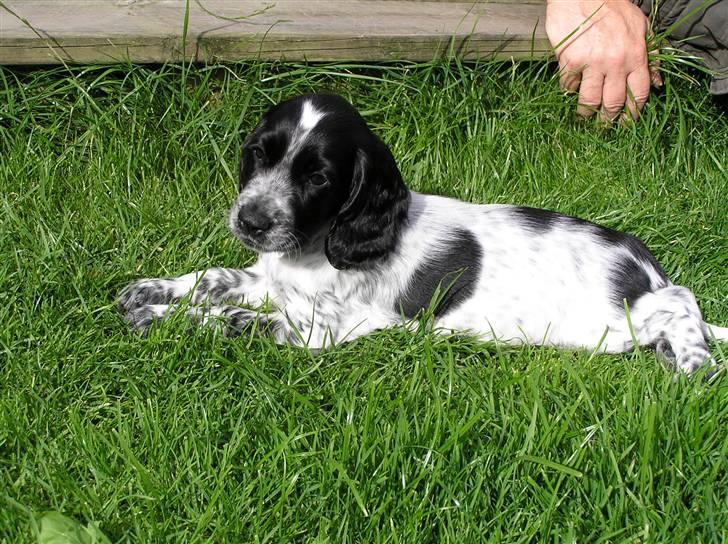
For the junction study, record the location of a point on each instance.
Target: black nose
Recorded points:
(254, 222)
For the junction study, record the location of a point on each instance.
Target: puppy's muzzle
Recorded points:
(253, 222)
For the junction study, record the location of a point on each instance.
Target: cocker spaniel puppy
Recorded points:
(345, 249)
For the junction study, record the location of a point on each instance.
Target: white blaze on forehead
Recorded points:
(310, 116)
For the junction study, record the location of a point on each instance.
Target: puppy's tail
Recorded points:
(715, 332)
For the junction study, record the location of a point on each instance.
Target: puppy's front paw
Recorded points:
(142, 318)
(237, 320)
(142, 292)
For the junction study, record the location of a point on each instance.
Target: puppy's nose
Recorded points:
(254, 222)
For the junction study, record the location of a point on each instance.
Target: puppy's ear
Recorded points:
(368, 225)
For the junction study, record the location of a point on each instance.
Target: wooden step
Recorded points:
(152, 31)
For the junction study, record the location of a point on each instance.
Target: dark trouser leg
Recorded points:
(701, 29)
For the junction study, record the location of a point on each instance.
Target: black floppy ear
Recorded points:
(368, 225)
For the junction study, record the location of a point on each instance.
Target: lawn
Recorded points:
(110, 174)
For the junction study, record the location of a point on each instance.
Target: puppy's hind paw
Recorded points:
(664, 353)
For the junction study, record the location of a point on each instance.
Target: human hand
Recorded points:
(601, 46)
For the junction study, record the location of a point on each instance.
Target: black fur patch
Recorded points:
(536, 219)
(633, 244)
(629, 281)
(541, 221)
(455, 271)
(628, 277)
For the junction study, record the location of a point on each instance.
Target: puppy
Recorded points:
(345, 249)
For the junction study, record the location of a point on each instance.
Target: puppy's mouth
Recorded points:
(276, 240)
(265, 228)
(284, 243)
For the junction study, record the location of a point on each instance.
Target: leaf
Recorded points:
(55, 528)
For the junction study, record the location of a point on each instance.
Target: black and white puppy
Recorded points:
(345, 249)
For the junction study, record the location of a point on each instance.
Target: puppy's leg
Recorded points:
(669, 319)
(209, 286)
(232, 320)
(306, 328)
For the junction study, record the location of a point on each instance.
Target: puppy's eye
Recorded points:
(318, 180)
(257, 152)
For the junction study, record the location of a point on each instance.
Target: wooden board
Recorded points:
(151, 31)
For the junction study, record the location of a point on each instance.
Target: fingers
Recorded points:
(654, 67)
(590, 92)
(653, 60)
(614, 96)
(609, 94)
(638, 90)
(570, 78)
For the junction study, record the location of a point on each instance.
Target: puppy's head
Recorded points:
(314, 177)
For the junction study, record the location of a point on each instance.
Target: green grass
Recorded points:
(110, 174)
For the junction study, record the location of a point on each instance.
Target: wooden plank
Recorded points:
(143, 31)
